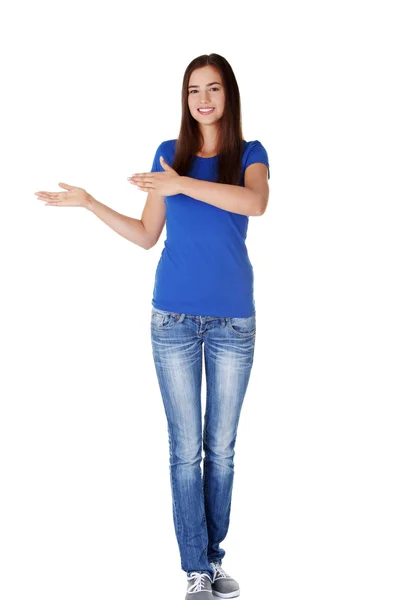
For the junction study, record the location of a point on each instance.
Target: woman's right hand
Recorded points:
(74, 196)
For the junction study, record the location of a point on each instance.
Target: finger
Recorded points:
(44, 197)
(143, 180)
(143, 175)
(47, 194)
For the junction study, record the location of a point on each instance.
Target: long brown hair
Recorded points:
(230, 142)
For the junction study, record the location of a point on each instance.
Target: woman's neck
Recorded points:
(210, 142)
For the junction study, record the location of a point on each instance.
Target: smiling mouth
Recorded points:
(205, 111)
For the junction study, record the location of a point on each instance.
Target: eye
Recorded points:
(213, 88)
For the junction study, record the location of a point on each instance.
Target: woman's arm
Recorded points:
(234, 198)
(129, 228)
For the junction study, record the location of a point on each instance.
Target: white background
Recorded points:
(89, 90)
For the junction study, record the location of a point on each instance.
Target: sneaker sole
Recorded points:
(229, 595)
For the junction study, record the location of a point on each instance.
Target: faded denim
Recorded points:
(201, 499)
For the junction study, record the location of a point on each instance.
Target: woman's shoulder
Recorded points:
(167, 150)
(168, 144)
(247, 146)
(254, 151)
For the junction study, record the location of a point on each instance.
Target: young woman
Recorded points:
(204, 185)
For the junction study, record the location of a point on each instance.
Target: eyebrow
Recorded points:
(212, 83)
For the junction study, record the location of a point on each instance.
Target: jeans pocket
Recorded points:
(162, 319)
(242, 326)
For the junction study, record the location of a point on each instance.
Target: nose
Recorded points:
(203, 98)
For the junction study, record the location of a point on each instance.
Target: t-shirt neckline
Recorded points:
(206, 157)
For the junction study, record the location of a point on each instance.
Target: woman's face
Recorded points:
(205, 90)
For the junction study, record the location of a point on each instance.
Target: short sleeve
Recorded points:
(156, 167)
(257, 153)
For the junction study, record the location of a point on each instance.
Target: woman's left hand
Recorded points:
(166, 183)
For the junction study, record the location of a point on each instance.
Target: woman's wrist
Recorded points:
(89, 202)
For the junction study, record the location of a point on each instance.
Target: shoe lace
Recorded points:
(219, 572)
(199, 581)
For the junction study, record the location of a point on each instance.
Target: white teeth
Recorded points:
(205, 110)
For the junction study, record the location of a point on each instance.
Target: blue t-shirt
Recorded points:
(204, 268)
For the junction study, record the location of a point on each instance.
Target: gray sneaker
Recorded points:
(199, 586)
(224, 586)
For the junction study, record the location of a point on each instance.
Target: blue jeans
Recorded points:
(201, 502)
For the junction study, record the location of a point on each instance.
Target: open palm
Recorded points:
(73, 196)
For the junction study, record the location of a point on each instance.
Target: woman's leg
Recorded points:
(229, 352)
(177, 353)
